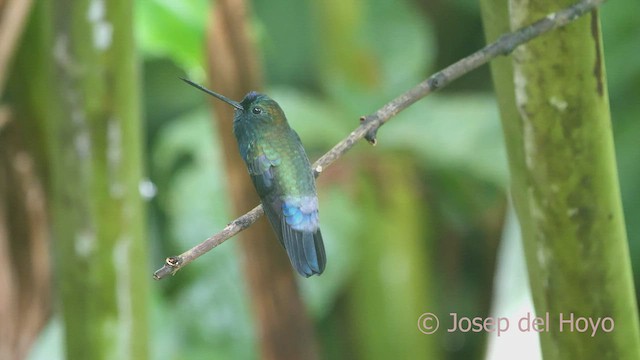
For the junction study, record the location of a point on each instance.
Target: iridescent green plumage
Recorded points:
(282, 176)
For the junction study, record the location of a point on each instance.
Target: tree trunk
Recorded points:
(25, 271)
(25, 274)
(284, 329)
(555, 113)
(88, 80)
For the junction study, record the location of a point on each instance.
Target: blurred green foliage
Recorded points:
(346, 59)
(428, 201)
(622, 60)
(172, 29)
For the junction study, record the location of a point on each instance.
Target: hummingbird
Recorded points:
(281, 174)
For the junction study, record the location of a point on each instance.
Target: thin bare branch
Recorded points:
(370, 124)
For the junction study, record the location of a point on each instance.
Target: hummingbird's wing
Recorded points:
(260, 165)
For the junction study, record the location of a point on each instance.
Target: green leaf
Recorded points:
(461, 132)
(174, 29)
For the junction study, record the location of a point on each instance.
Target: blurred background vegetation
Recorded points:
(417, 224)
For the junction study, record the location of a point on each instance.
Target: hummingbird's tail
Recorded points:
(302, 241)
(305, 250)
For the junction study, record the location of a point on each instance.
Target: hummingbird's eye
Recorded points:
(256, 110)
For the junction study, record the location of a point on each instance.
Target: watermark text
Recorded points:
(428, 323)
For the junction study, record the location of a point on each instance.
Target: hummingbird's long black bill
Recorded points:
(235, 104)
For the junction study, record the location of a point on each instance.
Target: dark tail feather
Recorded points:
(314, 252)
(305, 250)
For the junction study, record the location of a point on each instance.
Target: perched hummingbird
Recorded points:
(282, 176)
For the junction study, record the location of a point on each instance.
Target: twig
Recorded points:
(370, 124)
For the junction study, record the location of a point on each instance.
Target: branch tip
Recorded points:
(371, 138)
(173, 261)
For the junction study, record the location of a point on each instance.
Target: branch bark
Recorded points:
(370, 124)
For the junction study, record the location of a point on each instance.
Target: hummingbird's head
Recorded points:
(255, 109)
(258, 108)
